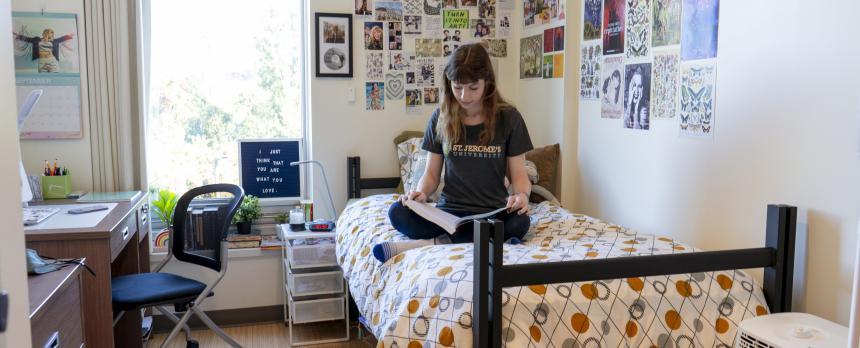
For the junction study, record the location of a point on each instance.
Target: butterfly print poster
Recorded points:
(697, 98)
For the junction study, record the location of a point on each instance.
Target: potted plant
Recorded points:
(248, 211)
(282, 218)
(164, 205)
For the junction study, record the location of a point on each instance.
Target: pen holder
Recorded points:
(54, 187)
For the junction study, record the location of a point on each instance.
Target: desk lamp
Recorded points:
(320, 222)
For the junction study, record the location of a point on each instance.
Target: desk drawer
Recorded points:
(121, 235)
(61, 319)
(143, 214)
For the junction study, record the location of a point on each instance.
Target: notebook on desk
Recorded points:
(109, 197)
(35, 215)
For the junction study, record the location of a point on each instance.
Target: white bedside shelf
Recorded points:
(316, 297)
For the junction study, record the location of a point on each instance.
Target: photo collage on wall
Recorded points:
(542, 55)
(651, 59)
(407, 44)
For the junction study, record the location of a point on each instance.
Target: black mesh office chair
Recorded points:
(200, 224)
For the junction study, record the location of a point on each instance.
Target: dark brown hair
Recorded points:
(468, 63)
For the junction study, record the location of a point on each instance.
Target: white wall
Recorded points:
(13, 278)
(549, 105)
(74, 153)
(254, 279)
(340, 128)
(786, 131)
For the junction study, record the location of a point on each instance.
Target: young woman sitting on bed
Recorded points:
(481, 139)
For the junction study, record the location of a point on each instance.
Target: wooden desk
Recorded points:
(56, 308)
(109, 253)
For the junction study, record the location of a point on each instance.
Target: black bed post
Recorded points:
(487, 295)
(353, 167)
(778, 279)
(481, 285)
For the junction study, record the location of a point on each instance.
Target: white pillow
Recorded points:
(407, 152)
(418, 166)
(413, 160)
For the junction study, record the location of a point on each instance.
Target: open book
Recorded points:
(446, 220)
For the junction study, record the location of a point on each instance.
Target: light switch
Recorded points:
(350, 94)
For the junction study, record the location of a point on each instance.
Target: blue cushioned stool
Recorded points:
(197, 236)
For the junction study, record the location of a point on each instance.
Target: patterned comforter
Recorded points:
(422, 298)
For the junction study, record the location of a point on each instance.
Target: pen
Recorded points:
(55, 167)
(47, 168)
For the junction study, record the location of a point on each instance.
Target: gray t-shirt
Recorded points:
(475, 174)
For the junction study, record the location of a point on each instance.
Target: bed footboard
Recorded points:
(776, 257)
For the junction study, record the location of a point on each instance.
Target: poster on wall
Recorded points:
(333, 45)
(399, 61)
(432, 7)
(363, 8)
(558, 65)
(496, 48)
(504, 30)
(483, 28)
(537, 12)
(531, 56)
(412, 25)
(395, 36)
(697, 98)
(665, 92)
(374, 66)
(432, 26)
(373, 35)
(388, 10)
(592, 17)
(547, 66)
(637, 94)
(666, 27)
(455, 19)
(374, 96)
(431, 96)
(425, 48)
(413, 100)
(46, 57)
(413, 7)
(487, 9)
(426, 73)
(589, 74)
(613, 27)
(612, 86)
(699, 23)
(637, 38)
(394, 85)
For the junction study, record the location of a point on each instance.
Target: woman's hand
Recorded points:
(414, 196)
(519, 203)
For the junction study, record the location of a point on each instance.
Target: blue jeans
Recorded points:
(416, 227)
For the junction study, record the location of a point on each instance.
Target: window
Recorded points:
(219, 72)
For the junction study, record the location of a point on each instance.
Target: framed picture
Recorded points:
(333, 45)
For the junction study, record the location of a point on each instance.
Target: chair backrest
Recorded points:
(200, 223)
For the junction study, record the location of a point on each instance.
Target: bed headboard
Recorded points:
(355, 183)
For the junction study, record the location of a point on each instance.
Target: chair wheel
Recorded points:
(192, 344)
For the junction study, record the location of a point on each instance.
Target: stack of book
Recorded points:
(242, 241)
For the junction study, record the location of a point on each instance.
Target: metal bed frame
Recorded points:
(491, 275)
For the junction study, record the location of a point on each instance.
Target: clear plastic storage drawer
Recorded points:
(317, 310)
(319, 254)
(304, 284)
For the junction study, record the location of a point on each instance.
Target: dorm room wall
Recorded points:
(339, 128)
(785, 132)
(549, 105)
(74, 153)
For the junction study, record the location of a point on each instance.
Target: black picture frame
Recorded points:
(333, 62)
